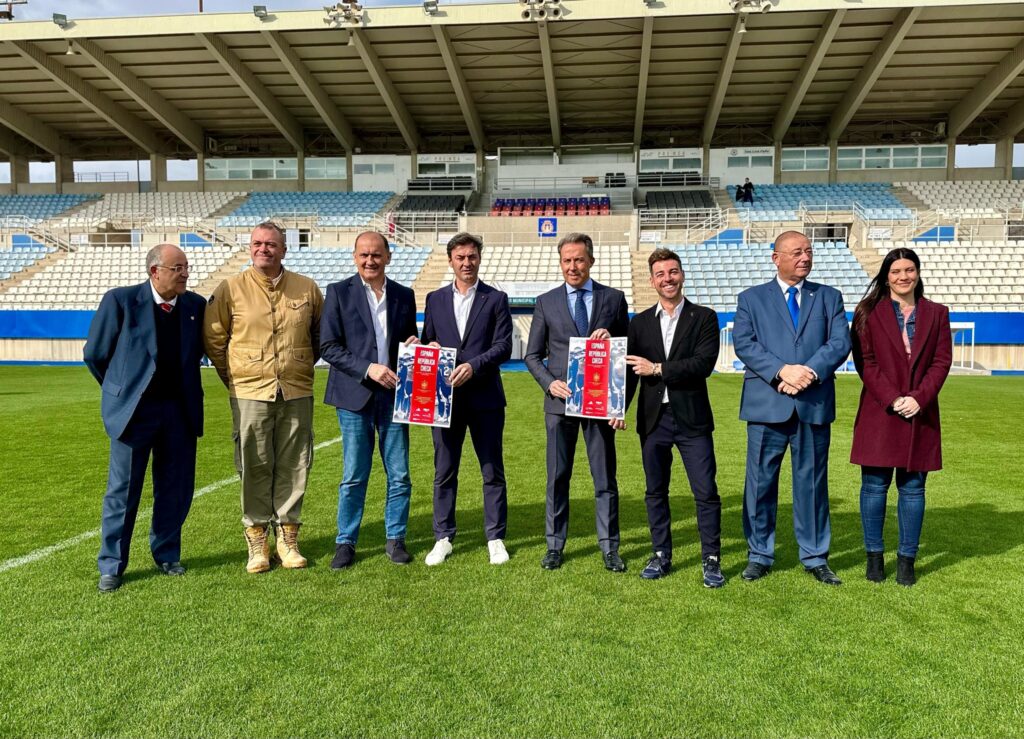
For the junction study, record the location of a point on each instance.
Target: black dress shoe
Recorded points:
(171, 568)
(109, 583)
(344, 555)
(755, 571)
(613, 562)
(905, 571)
(823, 574)
(395, 549)
(876, 567)
(552, 560)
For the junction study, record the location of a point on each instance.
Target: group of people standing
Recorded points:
(265, 328)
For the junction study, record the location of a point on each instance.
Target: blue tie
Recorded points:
(579, 315)
(794, 307)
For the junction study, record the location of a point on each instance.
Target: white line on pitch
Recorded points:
(45, 552)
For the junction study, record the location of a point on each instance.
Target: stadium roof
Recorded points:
(651, 72)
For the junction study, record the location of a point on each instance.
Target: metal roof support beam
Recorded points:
(123, 120)
(271, 107)
(1012, 122)
(451, 63)
(10, 147)
(722, 82)
(549, 84)
(173, 119)
(641, 88)
(797, 91)
(979, 98)
(318, 97)
(386, 88)
(39, 133)
(871, 71)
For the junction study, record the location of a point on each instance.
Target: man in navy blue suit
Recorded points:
(792, 335)
(473, 318)
(365, 318)
(144, 348)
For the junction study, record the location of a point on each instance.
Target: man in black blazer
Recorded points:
(475, 319)
(672, 348)
(580, 307)
(144, 348)
(364, 319)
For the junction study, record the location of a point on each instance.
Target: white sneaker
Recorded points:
(439, 553)
(499, 555)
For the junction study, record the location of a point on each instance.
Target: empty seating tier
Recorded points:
(35, 208)
(79, 280)
(15, 260)
(874, 200)
(329, 208)
(681, 200)
(972, 199)
(432, 204)
(327, 264)
(159, 208)
(595, 205)
(983, 276)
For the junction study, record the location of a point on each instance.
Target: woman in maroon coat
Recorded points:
(903, 350)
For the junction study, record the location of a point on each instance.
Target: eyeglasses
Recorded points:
(798, 253)
(176, 269)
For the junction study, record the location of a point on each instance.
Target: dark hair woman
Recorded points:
(903, 350)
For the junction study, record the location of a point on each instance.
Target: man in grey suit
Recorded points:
(792, 335)
(580, 307)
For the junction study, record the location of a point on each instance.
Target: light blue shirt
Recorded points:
(572, 295)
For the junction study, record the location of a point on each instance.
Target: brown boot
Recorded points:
(259, 549)
(288, 546)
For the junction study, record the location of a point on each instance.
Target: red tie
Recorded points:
(167, 307)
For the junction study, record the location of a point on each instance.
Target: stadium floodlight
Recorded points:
(430, 7)
(751, 6)
(343, 12)
(650, 3)
(60, 19)
(260, 11)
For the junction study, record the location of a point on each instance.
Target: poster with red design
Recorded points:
(596, 376)
(423, 395)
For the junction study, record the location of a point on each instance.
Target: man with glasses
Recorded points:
(263, 337)
(144, 348)
(792, 335)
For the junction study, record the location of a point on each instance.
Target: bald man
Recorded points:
(144, 348)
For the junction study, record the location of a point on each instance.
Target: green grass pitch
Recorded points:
(471, 650)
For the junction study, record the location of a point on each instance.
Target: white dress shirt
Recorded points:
(669, 321)
(463, 305)
(160, 301)
(785, 289)
(379, 316)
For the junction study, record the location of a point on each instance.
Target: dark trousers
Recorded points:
(486, 429)
(698, 455)
(562, 432)
(766, 446)
(158, 427)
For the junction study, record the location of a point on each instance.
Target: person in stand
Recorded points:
(748, 190)
(902, 348)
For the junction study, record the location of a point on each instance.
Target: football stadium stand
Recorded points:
(79, 280)
(785, 202)
(158, 208)
(552, 206)
(680, 200)
(331, 264)
(36, 208)
(16, 260)
(970, 199)
(431, 204)
(329, 208)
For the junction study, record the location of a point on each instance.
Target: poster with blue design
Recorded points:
(423, 395)
(596, 376)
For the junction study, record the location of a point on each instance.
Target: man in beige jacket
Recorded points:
(262, 333)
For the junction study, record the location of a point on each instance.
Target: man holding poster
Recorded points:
(365, 318)
(475, 318)
(580, 307)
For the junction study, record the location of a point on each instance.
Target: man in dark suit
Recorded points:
(672, 348)
(474, 318)
(365, 318)
(580, 307)
(144, 348)
(792, 335)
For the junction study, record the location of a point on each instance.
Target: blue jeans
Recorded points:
(874, 485)
(357, 439)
